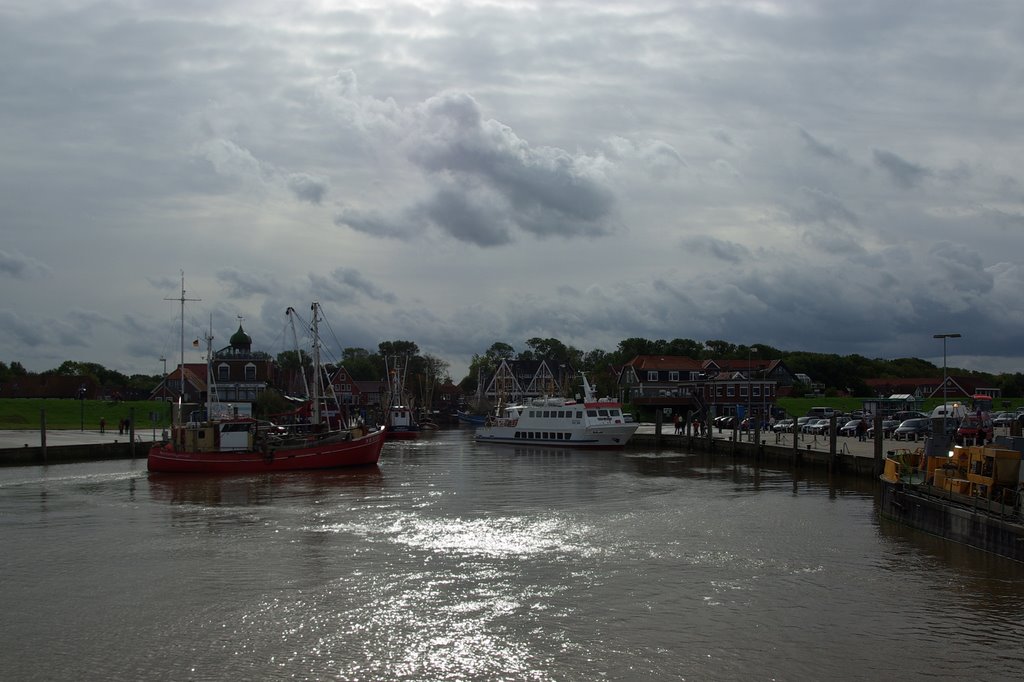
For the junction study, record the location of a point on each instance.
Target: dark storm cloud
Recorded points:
(19, 330)
(374, 223)
(306, 187)
(245, 284)
(905, 174)
(344, 283)
(467, 217)
(703, 245)
(542, 190)
(20, 266)
(821, 149)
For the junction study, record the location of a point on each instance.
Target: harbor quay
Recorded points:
(844, 453)
(847, 454)
(22, 447)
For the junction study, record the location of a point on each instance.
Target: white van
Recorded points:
(950, 411)
(823, 412)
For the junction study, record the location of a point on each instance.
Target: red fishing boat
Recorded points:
(211, 443)
(246, 446)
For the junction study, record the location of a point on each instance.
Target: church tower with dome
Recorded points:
(240, 374)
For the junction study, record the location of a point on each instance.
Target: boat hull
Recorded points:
(953, 517)
(402, 433)
(361, 451)
(598, 437)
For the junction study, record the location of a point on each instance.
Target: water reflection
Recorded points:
(257, 489)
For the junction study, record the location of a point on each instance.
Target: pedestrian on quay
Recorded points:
(103, 425)
(862, 430)
(120, 427)
(679, 423)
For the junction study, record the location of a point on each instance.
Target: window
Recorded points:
(673, 376)
(223, 372)
(743, 391)
(718, 391)
(250, 372)
(730, 391)
(652, 375)
(757, 391)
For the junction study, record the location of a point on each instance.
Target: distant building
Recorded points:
(515, 380)
(682, 384)
(957, 387)
(235, 374)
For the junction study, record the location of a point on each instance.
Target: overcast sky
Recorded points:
(837, 177)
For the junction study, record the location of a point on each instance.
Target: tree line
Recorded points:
(421, 371)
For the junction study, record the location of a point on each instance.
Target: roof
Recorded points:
(664, 362)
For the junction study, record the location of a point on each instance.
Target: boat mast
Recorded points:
(298, 352)
(181, 366)
(316, 365)
(211, 382)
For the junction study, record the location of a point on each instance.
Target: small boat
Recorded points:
(399, 420)
(970, 495)
(561, 422)
(211, 443)
(469, 418)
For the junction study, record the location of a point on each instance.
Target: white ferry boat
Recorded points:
(563, 422)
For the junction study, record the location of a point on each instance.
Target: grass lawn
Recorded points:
(26, 413)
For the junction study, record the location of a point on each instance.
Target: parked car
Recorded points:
(973, 428)
(815, 426)
(888, 426)
(783, 425)
(913, 429)
(908, 414)
(849, 428)
(801, 422)
(1003, 419)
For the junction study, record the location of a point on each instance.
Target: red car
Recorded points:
(972, 428)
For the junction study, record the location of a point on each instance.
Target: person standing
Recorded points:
(103, 425)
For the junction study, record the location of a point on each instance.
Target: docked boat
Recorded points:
(209, 442)
(399, 419)
(970, 495)
(470, 418)
(561, 422)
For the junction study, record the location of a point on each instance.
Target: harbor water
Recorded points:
(457, 561)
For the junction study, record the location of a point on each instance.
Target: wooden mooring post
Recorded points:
(42, 433)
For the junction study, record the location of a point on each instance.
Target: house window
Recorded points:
(250, 372)
(652, 375)
(757, 391)
(223, 372)
(718, 391)
(673, 376)
(730, 391)
(743, 391)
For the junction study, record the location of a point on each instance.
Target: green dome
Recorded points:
(240, 339)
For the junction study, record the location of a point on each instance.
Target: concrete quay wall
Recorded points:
(27, 447)
(850, 455)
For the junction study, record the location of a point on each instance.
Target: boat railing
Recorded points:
(501, 421)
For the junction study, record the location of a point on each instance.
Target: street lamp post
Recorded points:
(945, 404)
(81, 405)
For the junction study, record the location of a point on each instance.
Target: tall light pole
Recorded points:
(945, 404)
